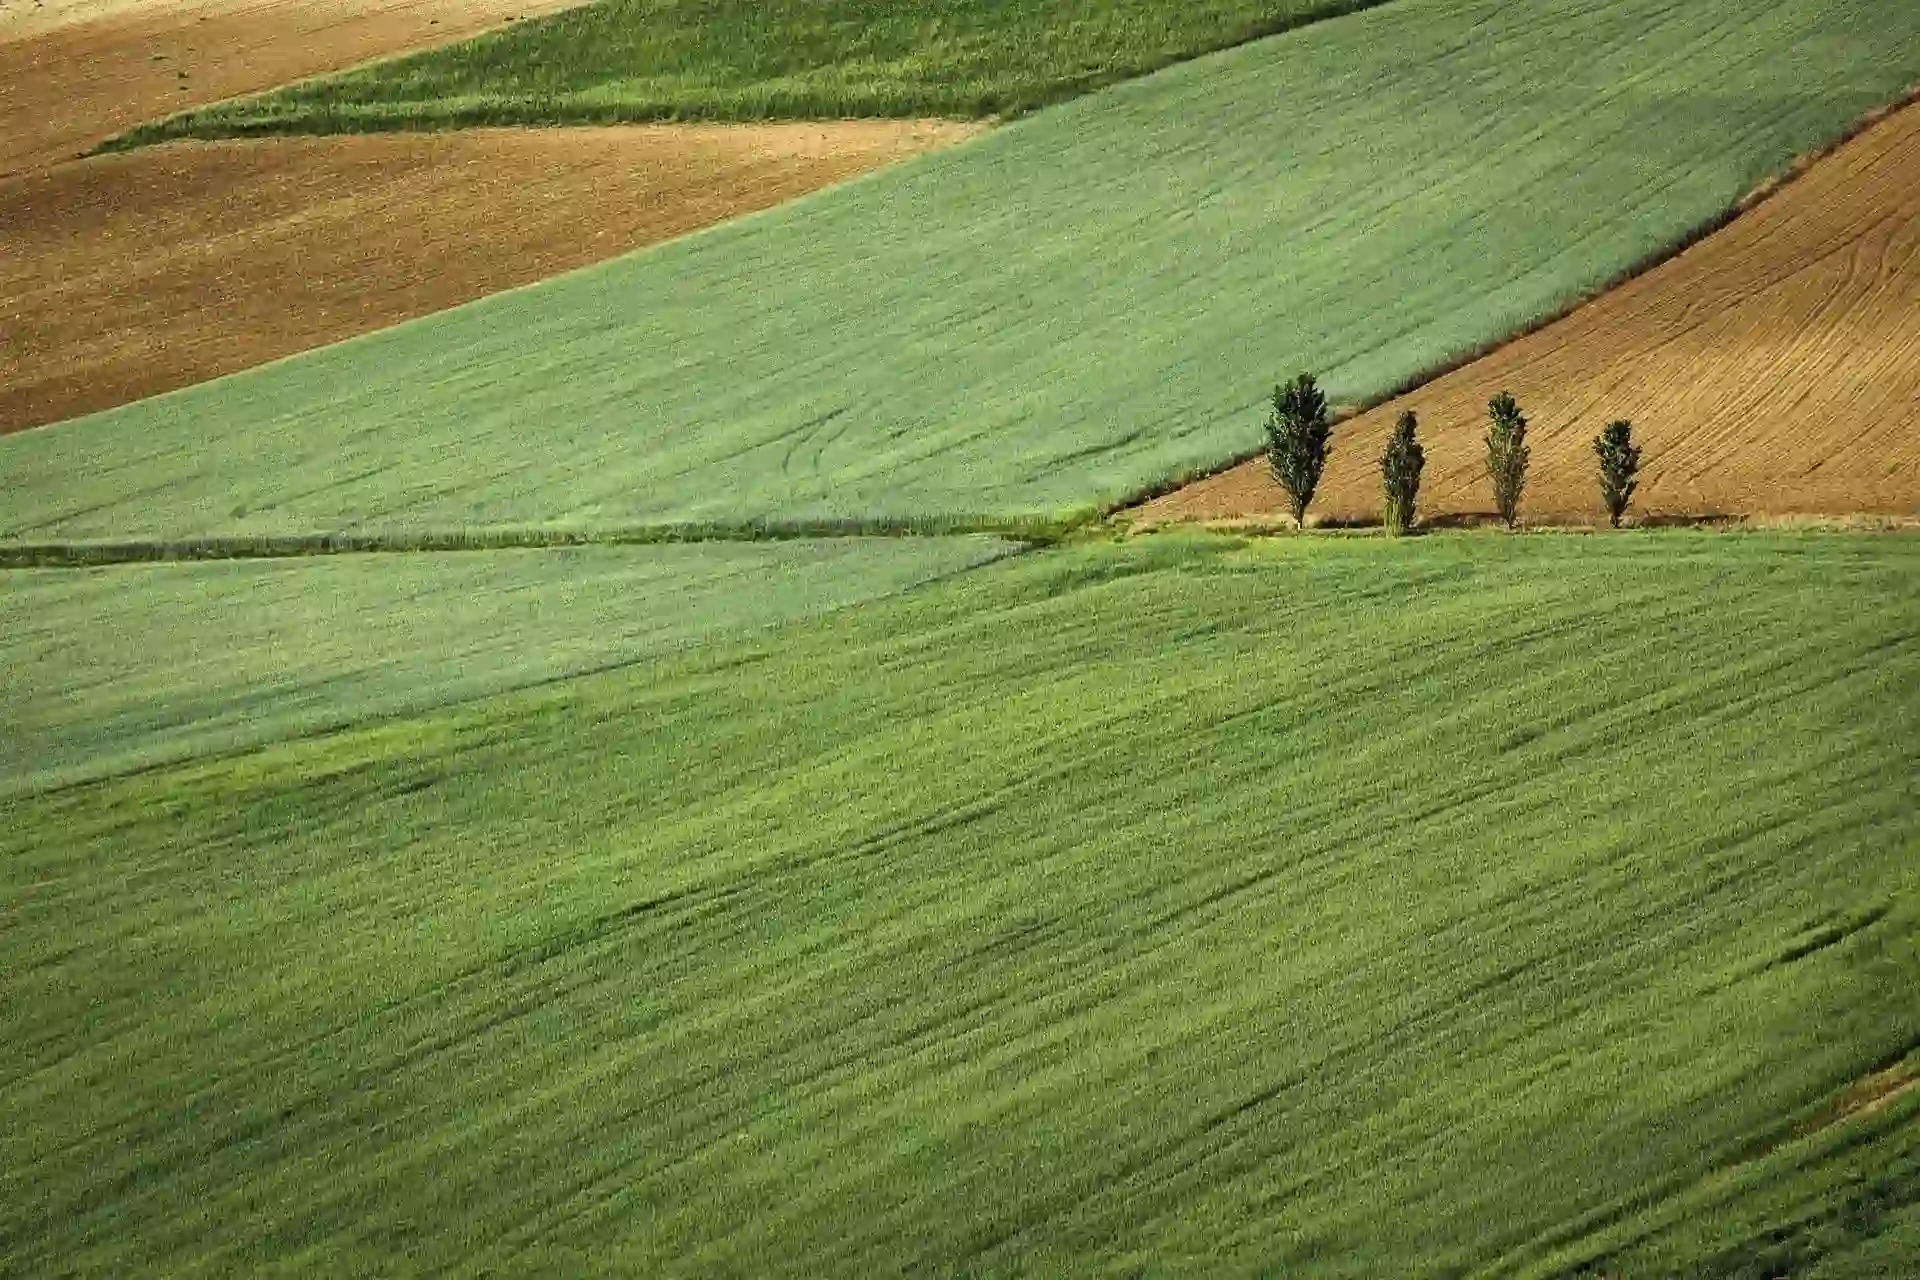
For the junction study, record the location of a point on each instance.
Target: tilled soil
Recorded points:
(1771, 369)
(129, 275)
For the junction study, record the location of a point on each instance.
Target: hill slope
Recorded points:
(121, 668)
(1321, 908)
(131, 275)
(1772, 369)
(1055, 315)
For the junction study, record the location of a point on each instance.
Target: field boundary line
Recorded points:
(1488, 524)
(89, 553)
(1027, 534)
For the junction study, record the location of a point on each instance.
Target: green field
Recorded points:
(1314, 906)
(1344, 906)
(1086, 302)
(129, 666)
(623, 60)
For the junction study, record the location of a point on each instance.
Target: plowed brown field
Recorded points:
(128, 275)
(1771, 369)
(75, 72)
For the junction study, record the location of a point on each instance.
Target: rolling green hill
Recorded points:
(130, 666)
(1315, 907)
(1320, 906)
(621, 60)
(1083, 303)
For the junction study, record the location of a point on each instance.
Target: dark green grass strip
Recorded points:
(639, 60)
(1177, 907)
(1036, 530)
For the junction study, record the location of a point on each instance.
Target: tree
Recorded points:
(1507, 456)
(1619, 468)
(1297, 440)
(1400, 468)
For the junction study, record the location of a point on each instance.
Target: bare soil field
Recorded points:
(132, 274)
(1773, 369)
(75, 72)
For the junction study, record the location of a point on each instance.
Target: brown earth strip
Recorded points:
(1773, 369)
(128, 275)
(74, 73)
(1864, 1097)
(1867, 1096)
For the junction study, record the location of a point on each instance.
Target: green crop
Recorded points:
(623, 60)
(1344, 907)
(113, 668)
(1042, 321)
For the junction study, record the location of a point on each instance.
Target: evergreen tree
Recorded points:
(1507, 456)
(1400, 468)
(1619, 468)
(1298, 432)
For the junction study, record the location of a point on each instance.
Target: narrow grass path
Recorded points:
(107, 551)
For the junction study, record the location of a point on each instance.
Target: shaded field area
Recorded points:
(72, 75)
(628, 60)
(1772, 369)
(1174, 905)
(1053, 317)
(121, 668)
(130, 275)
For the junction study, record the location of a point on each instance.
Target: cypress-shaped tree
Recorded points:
(1298, 434)
(1619, 468)
(1400, 468)
(1506, 456)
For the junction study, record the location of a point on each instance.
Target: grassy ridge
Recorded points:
(1316, 908)
(625, 60)
(1052, 317)
(127, 667)
(96, 552)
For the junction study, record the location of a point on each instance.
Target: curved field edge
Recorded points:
(1173, 905)
(1769, 367)
(1047, 319)
(631, 61)
(127, 668)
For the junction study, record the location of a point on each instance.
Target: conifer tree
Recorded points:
(1507, 456)
(1298, 434)
(1619, 468)
(1400, 468)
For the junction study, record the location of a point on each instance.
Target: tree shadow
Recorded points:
(1595, 522)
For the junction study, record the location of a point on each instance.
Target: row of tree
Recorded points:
(1300, 439)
